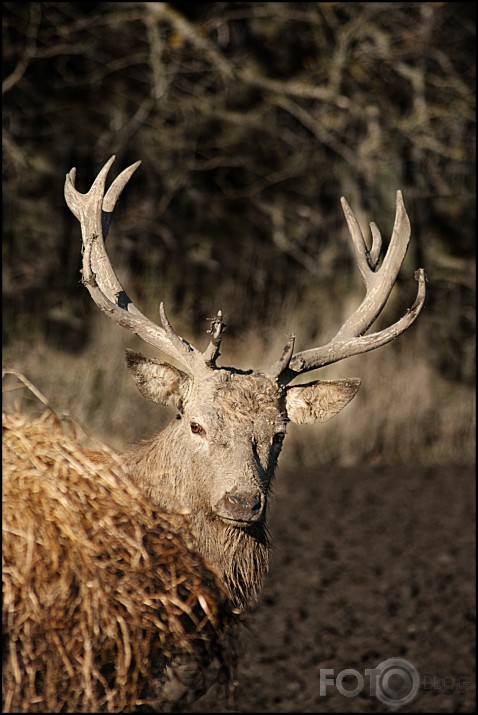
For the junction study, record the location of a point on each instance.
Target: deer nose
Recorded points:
(242, 507)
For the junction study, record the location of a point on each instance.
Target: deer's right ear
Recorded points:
(158, 381)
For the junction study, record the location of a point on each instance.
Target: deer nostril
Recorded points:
(252, 503)
(243, 507)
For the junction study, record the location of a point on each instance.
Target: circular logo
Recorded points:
(396, 682)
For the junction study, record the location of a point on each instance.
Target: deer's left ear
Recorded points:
(319, 400)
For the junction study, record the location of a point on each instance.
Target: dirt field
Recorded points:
(369, 564)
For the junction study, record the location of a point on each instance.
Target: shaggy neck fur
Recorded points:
(164, 469)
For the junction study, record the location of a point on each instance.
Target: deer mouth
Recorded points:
(241, 509)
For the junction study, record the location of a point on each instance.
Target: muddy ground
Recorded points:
(368, 564)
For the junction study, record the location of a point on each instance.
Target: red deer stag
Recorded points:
(216, 460)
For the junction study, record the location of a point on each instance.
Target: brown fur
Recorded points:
(179, 479)
(243, 418)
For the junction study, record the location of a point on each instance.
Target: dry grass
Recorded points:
(405, 410)
(100, 588)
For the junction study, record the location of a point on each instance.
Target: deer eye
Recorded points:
(196, 428)
(278, 438)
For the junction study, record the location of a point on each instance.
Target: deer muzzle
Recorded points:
(242, 508)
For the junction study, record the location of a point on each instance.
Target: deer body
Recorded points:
(216, 461)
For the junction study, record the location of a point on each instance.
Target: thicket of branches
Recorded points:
(251, 120)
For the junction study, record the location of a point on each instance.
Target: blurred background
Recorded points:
(251, 121)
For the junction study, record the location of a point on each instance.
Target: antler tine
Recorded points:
(93, 210)
(379, 281)
(216, 329)
(88, 209)
(280, 367)
(113, 194)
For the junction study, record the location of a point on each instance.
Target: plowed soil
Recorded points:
(368, 564)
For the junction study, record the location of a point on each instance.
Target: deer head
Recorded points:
(231, 422)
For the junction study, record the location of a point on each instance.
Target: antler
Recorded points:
(379, 281)
(94, 211)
